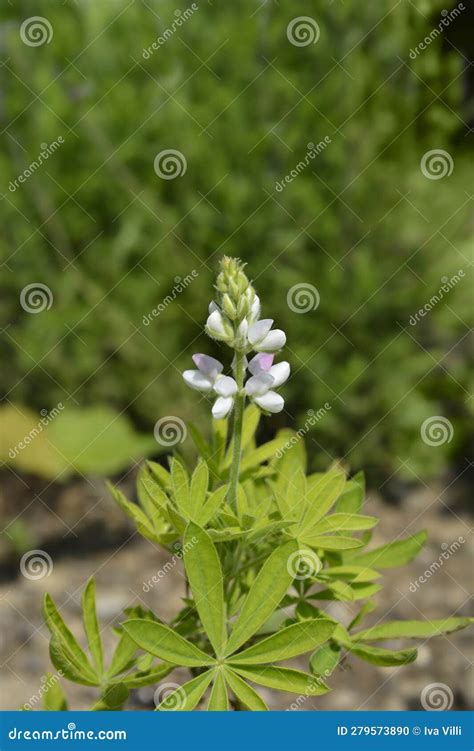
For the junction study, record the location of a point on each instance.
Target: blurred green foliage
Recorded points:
(108, 236)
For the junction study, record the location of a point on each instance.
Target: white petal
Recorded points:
(273, 341)
(225, 386)
(259, 384)
(280, 373)
(213, 306)
(241, 335)
(208, 365)
(271, 402)
(197, 380)
(215, 323)
(261, 362)
(222, 407)
(259, 330)
(255, 309)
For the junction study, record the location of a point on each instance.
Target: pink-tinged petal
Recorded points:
(215, 324)
(208, 365)
(273, 341)
(197, 380)
(259, 330)
(222, 407)
(270, 402)
(225, 386)
(259, 384)
(261, 362)
(280, 373)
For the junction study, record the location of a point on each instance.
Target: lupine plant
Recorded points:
(265, 546)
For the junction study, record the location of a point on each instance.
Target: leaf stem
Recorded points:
(239, 370)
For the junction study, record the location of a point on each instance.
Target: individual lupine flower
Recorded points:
(208, 377)
(266, 377)
(218, 326)
(263, 339)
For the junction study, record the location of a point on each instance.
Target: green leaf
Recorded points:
(163, 642)
(147, 677)
(283, 679)
(54, 699)
(382, 657)
(219, 433)
(91, 626)
(115, 696)
(412, 629)
(323, 491)
(180, 483)
(289, 642)
(204, 572)
(218, 700)
(243, 692)
(262, 454)
(249, 427)
(264, 596)
(67, 641)
(61, 659)
(198, 491)
(325, 659)
(212, 505)
(390, 555)
(351, 573)
(160, 474)
(352, 499)
(187, 696)
(133, 512)
(330, 542)
(367, 607)
(341, 522)
(123, 655)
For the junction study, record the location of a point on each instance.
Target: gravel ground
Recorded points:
(128, 561)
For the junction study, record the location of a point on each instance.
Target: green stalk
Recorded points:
(239, 371)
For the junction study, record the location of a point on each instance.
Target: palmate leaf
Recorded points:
(352, 499)
(144, 525)
(66, 643)
(289, 642)
(265, 595)
(390, 555)
(282, 679)
(64, 661)
(325, 659)
(244, 693)
(204, 572)
(163, 642)
(218, 700)
(382, 657)
(322, 492)
(412, 629)
(187, 696)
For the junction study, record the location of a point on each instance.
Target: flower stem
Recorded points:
(239, 370)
